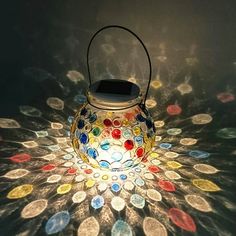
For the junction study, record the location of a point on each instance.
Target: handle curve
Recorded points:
(137, 37)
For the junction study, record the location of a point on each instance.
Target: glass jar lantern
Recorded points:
(113, 131)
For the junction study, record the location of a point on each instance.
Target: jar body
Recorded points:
(113, 140)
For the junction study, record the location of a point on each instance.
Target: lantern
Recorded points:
(113, 131)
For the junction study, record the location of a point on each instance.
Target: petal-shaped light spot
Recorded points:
(57, 222)
(188, 141)
(30, 111)
(121, 228)
(8, 123)
(19, 158)
(206, 185)
(20, 191)
(172, 175)
(89, 227)
(166, 185)
(54, 179)
(16, 174)
(75, 76)
(34, 208)
(79, 197)
(227, 133)
(173, 164)
(55, 125)
(90, 183)
(64, 188)
(30, 144)
(198, 202)
(184, 88)
(171, 154)
(205, 168)
(182, 219)
(118, 203)
(129, 186)
(55, 103)
(152, 227)
(137, 201)
(154, 195)
(201, 119)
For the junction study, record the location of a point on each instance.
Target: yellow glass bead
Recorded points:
(83, 157)
(125, 122)
(136, 131)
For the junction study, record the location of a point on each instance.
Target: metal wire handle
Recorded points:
(145, 49)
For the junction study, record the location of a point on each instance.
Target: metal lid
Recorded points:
(114, 94)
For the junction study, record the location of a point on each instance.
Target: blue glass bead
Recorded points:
(139, 140)
(83, 111)
(80, 124)
(116, 156)
(92, 152)
(115, 187)
(83, 138)
(105, 145)
(92, 118)
(97, 202)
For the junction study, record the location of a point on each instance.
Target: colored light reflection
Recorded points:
(161, 191)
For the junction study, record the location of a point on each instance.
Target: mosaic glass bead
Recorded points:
(129, 144)
(116, 134)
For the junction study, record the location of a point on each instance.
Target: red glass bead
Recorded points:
(116, 134)
(129, 115)
(174, 110)
(140, 152)
(153, 169)
(19, 158)
(48, 167)
(129, 144)
(116, 123)
(182, 219)
(166, 185)
(107, 122)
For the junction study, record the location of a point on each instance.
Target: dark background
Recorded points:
(53, 36)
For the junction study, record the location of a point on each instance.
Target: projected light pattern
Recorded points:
(178, 187)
